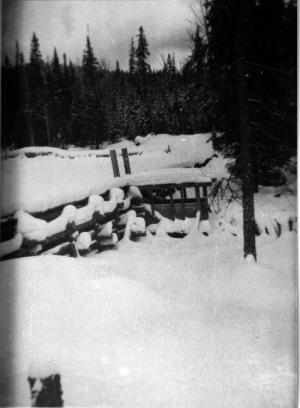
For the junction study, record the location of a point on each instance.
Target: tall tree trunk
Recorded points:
(245, 136)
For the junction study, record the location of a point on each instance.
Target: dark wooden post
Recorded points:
(172, 203)
(45, 392)
(204, 207)
(114, 162)
(151, 201)
(245, 135)
(198, 201)
(182, 196)
(126, 161)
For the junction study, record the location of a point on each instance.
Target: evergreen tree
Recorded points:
(66, 98)
(117, 67)
(92, 114)
(36, 94)
(90, 65)
(169, 66)
(132, 58)
(142, 54)
(20, 136)
(265, 40)
(8, 113)
(76, 124)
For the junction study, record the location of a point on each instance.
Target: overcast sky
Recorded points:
(111, 24)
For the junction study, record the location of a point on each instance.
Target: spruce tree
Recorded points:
(36, 93)
(90, 65)
(132, 58)
(142, 54)
(92, 115)
(20, 124)
(268, 82)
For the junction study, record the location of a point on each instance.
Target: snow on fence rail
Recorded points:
(75, 229)
(102, 220)
(35, 151)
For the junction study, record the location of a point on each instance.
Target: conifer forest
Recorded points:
(59, 103)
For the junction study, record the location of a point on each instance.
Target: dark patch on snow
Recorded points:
(203, 164)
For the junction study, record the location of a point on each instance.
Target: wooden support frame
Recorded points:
(178, 207)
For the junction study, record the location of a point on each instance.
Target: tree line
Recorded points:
(59, 103)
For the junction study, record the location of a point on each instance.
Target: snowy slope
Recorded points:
(162, 322)
(42, 182)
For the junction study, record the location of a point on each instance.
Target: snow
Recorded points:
(166, 176)
(83, 241)
(39, 183)
(34, 151)
(36, 229)
(134, 224)
(106, 231)
(157, 321)
(272, 214)
(178, 323)
(167, 226)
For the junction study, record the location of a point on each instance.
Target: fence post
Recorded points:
(126, 161)
(205, 207)
(114, 162)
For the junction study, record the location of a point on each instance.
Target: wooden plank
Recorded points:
(182, 197)
(151, 201)
(37, 247)
(169, 185)
(168, 201)
(114, 162)
(126, 161)
(172, 205)
(205, 206)
(197, 193)
(189, 210)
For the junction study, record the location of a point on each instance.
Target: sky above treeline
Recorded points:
(109, 23)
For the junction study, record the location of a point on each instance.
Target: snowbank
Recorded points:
(39, 183)
(35, 151)
(274, 214)
(161, 322)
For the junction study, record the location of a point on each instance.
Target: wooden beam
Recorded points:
(114, 162)
(197, 194)
(182, 196)
(126, 161)
(172, 205)
(205, 207)
(151, 201)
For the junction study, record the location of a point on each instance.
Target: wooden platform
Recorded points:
(178, 200)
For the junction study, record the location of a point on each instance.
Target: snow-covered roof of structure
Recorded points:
(167, 176)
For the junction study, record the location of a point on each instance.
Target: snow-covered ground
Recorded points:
(38, 183)
(161, 322)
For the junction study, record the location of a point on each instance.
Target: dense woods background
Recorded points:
(58, 103)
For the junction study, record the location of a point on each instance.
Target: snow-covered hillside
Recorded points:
(160, 322)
